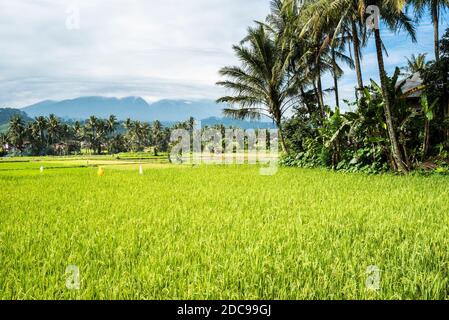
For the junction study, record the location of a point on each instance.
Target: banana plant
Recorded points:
(428, 111)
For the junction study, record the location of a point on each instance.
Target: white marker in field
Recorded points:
(42, 169)
(141, 170)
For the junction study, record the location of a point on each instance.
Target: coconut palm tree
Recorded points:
(128, 123)
(17, 132)
(41, 125)
(157, 136)
(416, 64)
(262, 85)
(111, 124)
(54, 129)
(339, 17)
(435, 7)
(284, 24)
(110, 127)
(332, 52)
(94, 132)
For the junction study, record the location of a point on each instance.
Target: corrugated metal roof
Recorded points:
(412, 84)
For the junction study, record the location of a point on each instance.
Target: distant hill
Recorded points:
(135, 108)
(84, 107)
(167, 111)
(181, 110)
(6, 114)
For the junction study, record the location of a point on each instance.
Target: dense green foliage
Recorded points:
(51, 136)
(391, 126)
(302, 234)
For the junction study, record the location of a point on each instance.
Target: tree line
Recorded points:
(51, 136)
(391, 127)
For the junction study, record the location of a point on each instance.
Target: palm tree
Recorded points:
(127, 124)
(191, 124)
(416, 64)
(284, 24)
(435, 7)
(262, 86)
(17, 132)
(77, 130)
(94, 131)
(340, 17)
(111, 124)
(110, 127)
(54, 129)
(391, 13)
(332, 51)
(319, 64)
(101, 134)
(41, 125)
(143, 133)
(156, 133)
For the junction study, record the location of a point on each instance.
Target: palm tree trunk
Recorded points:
(445, 100)
(320, 96)
(445, 90)
(282, 138)
(436, 30)
(42, 137)
(305, 102)
(396, 150)
(356, 44)
(317, 95)
(334, 73)
(426, 142)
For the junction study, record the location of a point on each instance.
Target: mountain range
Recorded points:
(135, 108)
(169, 112)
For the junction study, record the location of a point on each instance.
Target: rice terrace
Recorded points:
(259, 151)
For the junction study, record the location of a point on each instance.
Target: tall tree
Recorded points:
(157, 137)
(284, 24)
(416, 64)
(322, 15)
(42, 125)
(391, 13)
(95, 132)
(435, 7)
(262, 85)
(17, 133)
(111, 124)
(54, 129)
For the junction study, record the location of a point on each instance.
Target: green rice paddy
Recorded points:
(218, 232)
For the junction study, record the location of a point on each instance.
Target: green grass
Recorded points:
(221, 232)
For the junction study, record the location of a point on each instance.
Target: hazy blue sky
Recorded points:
(151, 48)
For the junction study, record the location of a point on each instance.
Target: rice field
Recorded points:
(219, 232)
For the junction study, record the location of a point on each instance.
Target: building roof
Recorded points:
(412, 86)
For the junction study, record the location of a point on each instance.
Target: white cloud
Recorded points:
(155, 49)
(150, 48)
